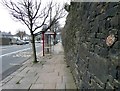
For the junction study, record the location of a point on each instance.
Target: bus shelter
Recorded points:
(48, 42)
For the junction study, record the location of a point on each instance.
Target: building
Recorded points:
(5, 38)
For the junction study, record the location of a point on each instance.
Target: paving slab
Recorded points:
(38, 65)
(21, 68)
(68, 79)
(15, 73)
(28, 80)
(37, 86)
(35, 69)
(48, 74)
(60, 86)
(14, 80)
(70, 86)
(48, 68)
(16, 86)
(7, 79)
(55, 79)
(42, 80)
(50, 86)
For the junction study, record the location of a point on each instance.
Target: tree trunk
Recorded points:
(21, 37)
(33, 48)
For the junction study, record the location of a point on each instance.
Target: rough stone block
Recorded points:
(107, 24)
(103, 52)
(114, 21)
(113, 51)
(85, 85)
(101, 35)
(112, 11)
(113, 4)
(116, 84)
(97, 49)
(117, 45)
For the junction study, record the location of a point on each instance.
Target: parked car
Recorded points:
(26, 42)
(37, 41)
(20, 42)
(13, 41)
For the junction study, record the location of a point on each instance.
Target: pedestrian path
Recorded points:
(51, 72)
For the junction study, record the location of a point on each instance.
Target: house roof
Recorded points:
(6, 34)
(49, 33)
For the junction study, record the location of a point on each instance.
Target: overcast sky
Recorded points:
(7, 24)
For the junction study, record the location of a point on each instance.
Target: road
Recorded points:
(13, 56)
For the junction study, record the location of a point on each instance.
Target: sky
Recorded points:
(8, 24)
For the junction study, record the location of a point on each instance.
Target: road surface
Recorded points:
(13, 56)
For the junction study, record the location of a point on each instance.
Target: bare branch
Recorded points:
(29, 12)
(45, 16)
(37, 8)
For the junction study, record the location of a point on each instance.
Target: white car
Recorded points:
(20, 42)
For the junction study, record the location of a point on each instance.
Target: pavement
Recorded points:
(51, 72)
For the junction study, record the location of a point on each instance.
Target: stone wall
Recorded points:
(93, 63)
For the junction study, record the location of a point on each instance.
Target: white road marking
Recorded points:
(14, 64)
(2, 50)
(15, 52)
(2, 47)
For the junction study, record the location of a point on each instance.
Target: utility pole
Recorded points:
(43, 37)
(43, 42)
(51, 26)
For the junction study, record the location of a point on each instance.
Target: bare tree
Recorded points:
(33, 15)
(21, 34)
